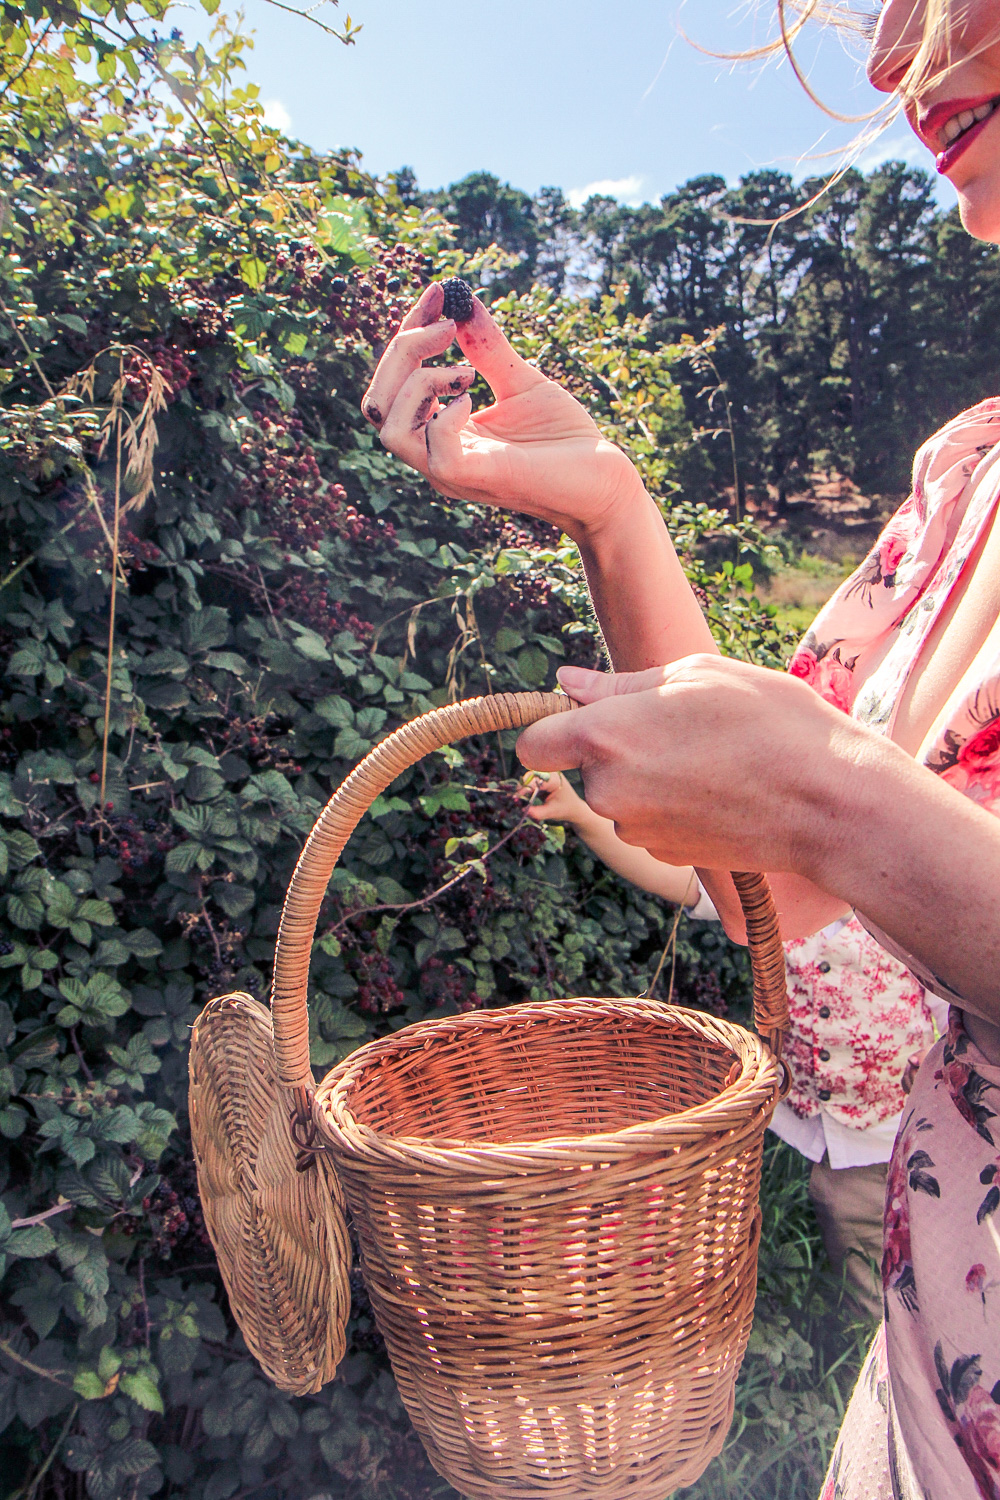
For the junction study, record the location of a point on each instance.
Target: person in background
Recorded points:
(857, 1016)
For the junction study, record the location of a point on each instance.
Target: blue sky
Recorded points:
(573, 93)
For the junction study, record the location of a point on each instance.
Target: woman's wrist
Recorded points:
(616, 521)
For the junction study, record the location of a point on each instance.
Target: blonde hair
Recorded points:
(930, 64)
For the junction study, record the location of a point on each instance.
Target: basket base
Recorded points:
(639, 1418)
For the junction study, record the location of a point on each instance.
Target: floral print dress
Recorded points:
(924, 1421)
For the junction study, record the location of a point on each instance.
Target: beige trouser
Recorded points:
(849, 1205)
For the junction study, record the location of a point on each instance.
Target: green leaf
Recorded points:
(235, 900)
(142, 943)
(166, 695)
(182, 858)
(25, 910)
(350, 745)
(202, 784)
(143, 1390)
(30, 1243)
(89, 1385)
(451, 798)
(252, 269)
(336, 711)
(98, 912)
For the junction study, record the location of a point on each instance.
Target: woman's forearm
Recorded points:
(643, 601)
(920, 860)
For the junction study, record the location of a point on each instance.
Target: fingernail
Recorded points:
(575, 676)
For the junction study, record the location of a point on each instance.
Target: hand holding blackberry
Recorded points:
(535, 449)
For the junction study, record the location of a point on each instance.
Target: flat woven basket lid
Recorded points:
(279, 1232)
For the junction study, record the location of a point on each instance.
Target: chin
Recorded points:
(979, 206)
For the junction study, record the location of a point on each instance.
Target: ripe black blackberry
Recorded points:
(458, 303)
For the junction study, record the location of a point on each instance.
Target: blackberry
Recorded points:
(457, 300)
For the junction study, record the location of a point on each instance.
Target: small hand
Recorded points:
(557, 802)
(534, 450)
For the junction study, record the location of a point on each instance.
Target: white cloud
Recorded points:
(277, 116)
(625, 189)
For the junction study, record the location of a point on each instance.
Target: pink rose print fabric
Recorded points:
(863, 643)
(928, 1400)
(929, 1428)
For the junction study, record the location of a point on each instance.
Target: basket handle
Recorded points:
(343, 813)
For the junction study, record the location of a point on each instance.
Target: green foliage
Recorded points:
(184, 289)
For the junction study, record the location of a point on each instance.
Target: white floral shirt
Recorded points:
(856, 1015)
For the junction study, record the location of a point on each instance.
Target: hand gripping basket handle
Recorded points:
(348, 806)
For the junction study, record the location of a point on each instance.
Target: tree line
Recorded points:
(850, 319)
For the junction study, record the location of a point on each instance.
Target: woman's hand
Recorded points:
(558, 802)
(707, 762)
(534, 450)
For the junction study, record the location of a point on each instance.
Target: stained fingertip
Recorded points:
(426, 309)
(453, 417)
(372, 412)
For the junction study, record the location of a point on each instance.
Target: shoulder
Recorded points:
(945, 462)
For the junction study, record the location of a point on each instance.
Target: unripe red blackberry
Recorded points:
(458, 303)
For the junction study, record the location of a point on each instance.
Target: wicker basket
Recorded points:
(556, 1203)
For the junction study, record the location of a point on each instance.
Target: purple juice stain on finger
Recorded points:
(430, 303)
(459, 301)
(373, 413)
(423, 412)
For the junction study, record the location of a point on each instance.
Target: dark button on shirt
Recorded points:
(824, 967)
(824, 1056)
(824, 1011)
(824, 1094)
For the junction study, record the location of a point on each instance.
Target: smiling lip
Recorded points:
(930, 124)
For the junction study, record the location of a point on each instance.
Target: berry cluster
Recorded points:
(136, 552)
(173, 1213)
(445, 983)
(703, 990)
(263, 746)
(301, 263)
(372, 303)
(307, 598)
(200, 321)
(283, 482)
(134, 846)
(378, 990)
(172, 366)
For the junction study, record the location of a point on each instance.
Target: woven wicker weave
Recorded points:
(556, 1203)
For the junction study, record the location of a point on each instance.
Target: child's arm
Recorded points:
(560, 803)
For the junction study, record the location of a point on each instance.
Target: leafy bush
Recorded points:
(217, 593)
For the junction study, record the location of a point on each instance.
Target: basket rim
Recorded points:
(756, 1089)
